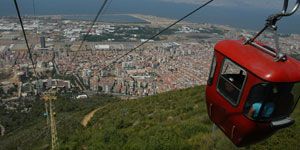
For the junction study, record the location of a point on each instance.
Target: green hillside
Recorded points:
(171, 120)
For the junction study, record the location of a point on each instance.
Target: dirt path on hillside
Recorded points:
(87, 118)
(2, 130)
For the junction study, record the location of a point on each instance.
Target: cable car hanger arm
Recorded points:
(272, 20)
(271, 24)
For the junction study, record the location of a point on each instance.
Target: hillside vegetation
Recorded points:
(171, 120)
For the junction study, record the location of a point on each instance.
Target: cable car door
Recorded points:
(216, 111)
(224, 96)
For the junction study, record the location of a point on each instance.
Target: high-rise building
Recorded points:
(43, 42)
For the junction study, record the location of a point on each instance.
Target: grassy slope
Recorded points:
(36, 134)
(172, 120)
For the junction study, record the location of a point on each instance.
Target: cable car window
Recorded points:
(272, 101)
(231, 81)
(212, 70)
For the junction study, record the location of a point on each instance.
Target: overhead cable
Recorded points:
(25, 37)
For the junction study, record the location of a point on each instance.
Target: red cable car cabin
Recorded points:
(250, 96)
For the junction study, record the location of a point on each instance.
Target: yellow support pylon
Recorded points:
(49, 97)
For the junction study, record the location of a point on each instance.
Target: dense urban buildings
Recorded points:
(179, 58)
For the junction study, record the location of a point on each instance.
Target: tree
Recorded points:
(12, 90)
(100, 88)
(1, 92)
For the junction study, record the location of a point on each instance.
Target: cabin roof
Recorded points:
(260, 63)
